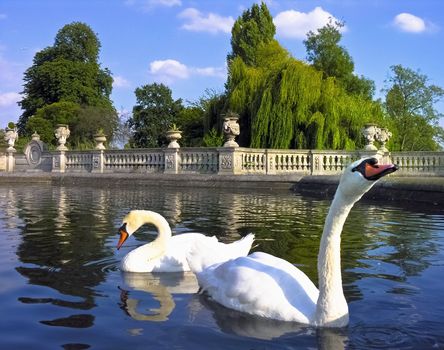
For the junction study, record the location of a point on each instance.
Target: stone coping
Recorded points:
(429, 190)
(417, 189)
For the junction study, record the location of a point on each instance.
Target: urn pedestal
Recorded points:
(370, 131)
(62, 133)
(231, 130)
(173, 136)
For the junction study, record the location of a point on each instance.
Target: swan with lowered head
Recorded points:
(264, 285)
(167, 253)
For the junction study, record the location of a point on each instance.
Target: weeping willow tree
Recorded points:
(289, 104)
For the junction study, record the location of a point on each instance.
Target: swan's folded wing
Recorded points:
(257, 286)
(204, 253)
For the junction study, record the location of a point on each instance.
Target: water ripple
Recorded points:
(381, 337)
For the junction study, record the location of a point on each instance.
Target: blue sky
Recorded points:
(184, 43)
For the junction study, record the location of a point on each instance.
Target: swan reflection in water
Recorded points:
(161, 286)
(235, 322)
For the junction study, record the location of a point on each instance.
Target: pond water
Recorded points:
(61, 286)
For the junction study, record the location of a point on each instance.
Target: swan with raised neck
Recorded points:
(267, 286)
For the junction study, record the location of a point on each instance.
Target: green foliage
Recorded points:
(213, 105)
(213, 138)
(82, 121)
(285, 103)
(291, 104)
(77, 42)
(254, 28)
(154, 112)
(41, 126)
(410, 106)
(327, 56)
(88, 122)
(325, 53)
(190, 120)
(63, 112)
(67, 75)
(3, 143)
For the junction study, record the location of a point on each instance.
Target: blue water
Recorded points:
(61, 288)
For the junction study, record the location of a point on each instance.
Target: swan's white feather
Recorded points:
(148, 258)
(239, 284)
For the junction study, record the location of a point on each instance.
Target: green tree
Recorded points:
(190, 121)
(251, 31)
(67, 73)
(213, 105)
(254, 28)
(42, 127)
(153, 114)
(410, 105)
(291, 105)
(326, 54)
(77, 42)
(285, 103)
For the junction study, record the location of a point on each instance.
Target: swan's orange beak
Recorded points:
(373, 171)
(123, 236)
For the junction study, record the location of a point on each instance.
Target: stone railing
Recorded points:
(222, 161)
(419, 163)
(228, 160)
(133, 161)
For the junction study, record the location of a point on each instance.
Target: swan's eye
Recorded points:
(373, 162)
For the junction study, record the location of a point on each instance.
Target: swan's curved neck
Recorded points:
(331, 307)
(158, 246)
(161, 294)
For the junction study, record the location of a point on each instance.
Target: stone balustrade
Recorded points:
(222, 161)
(419, 163)
(133, 161)
(227, 160)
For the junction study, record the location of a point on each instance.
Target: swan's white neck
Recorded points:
(331, 307)
(157, 247)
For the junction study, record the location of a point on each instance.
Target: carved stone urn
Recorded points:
(35, 136)
(231, 129)
(100, 139)
(173, 135)
(370, 131)
(383, 136)
(11, 135)
(62, 133)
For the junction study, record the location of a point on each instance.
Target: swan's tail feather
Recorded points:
(242, 247)
(204, 254)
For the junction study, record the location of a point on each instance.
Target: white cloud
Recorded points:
(212, 23)
(218, 72)
(407, 22)
(295, 25)
(9, 98)
(167, 3)
(3, 16)
(120, 82)
(168, 71)
(147, 5)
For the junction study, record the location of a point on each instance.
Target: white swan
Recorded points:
(167, 253)
(264, 285)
